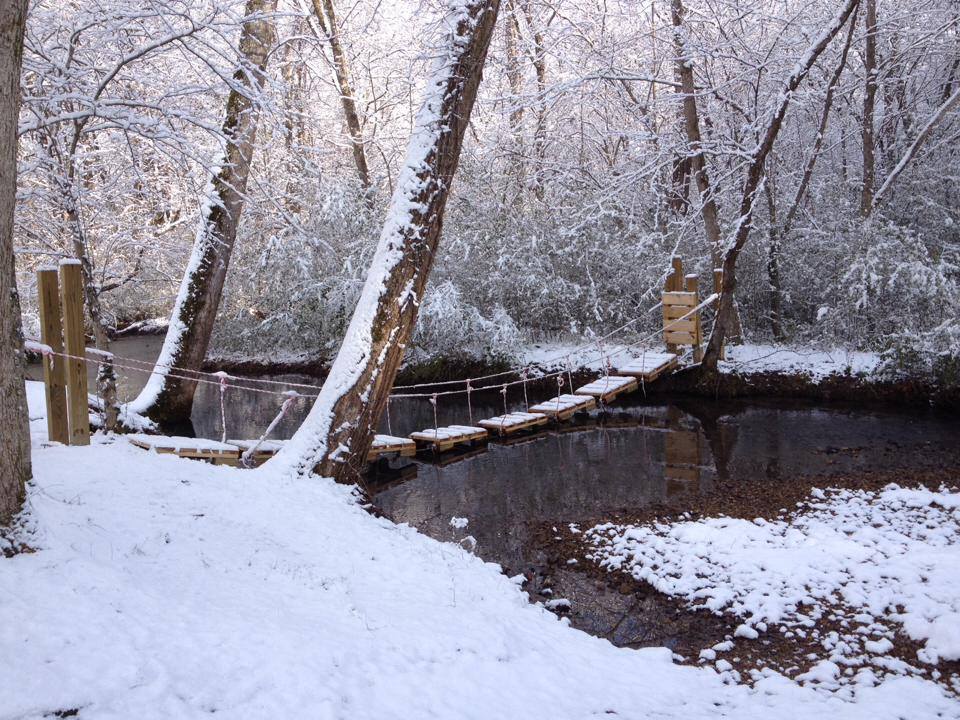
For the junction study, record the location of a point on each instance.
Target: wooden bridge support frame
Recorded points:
(65, 379)
(54, 375)
(680, 296)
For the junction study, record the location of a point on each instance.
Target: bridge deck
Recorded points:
(513, 422)
(607, 388)
(446, 438)
(219, 453)
(650, 366)
(564, 407)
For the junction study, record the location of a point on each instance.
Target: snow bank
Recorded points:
(163, 587)
(817, 365)
(871, 561)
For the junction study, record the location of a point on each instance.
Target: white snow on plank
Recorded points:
(175, 443)
(647, 362)
(603, 385)
(381, 441)
(561, 403)
(452, 432)
(512, 419)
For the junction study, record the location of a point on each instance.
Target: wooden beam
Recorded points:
(71, 299)
(54, 375)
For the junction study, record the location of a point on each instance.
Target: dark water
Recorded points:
(621, 461)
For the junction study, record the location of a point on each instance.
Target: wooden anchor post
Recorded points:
(54, 375)
(691, 284)
(71, 298)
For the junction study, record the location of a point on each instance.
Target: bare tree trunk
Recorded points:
(691, 118)
(869, 105)
(698, 165)
(336, 436)
(727, 310)
(15, 468)
(773, 264)
(539, 60)
(165, 398)
(326, 17)
(515, 81)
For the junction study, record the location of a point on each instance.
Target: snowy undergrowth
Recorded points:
(162, 587)
(847, 570)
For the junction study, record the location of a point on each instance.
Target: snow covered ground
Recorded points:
(167, 588)
(742, 359)
(865, 564)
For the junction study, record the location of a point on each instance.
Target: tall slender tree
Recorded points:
(869, 107)
(168, 394)
(326, 16)
(15, 435)
(723, 327)
(337, 434)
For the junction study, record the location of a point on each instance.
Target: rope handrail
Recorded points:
(221, 379)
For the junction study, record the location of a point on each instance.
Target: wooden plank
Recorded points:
(54, 375)
(680, 338)
(219, 453)
(563, 407)
(609, 387)
(649, 366)
(446, 438)
(514, 422)
(690, 325)
(71, 299)
(389, 445)
(675, 312)
(680, 298)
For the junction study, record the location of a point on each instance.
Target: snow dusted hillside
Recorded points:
(166, 588)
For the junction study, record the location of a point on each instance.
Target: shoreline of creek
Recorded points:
(564, 570)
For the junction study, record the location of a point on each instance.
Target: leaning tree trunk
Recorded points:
(336, 436)
(14, 420)
(168, 395)
(726, 313)
(341, 68)
(691, 122)
(698, 164)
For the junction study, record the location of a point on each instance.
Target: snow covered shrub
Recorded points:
(450, 327)
(896, 283)
(934, 354)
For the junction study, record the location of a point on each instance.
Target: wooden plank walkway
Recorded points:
(650, 366)
(564, 407)
(514, 422)
(386, 445)
(607, 388)
(446, 438)
(219, 453)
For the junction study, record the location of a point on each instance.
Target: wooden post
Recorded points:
(71, 299)
(54, 377)
(675, 278)
(718, 288)
(691, 283)
(674, 283)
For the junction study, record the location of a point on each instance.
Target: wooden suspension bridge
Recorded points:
(66, 391)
